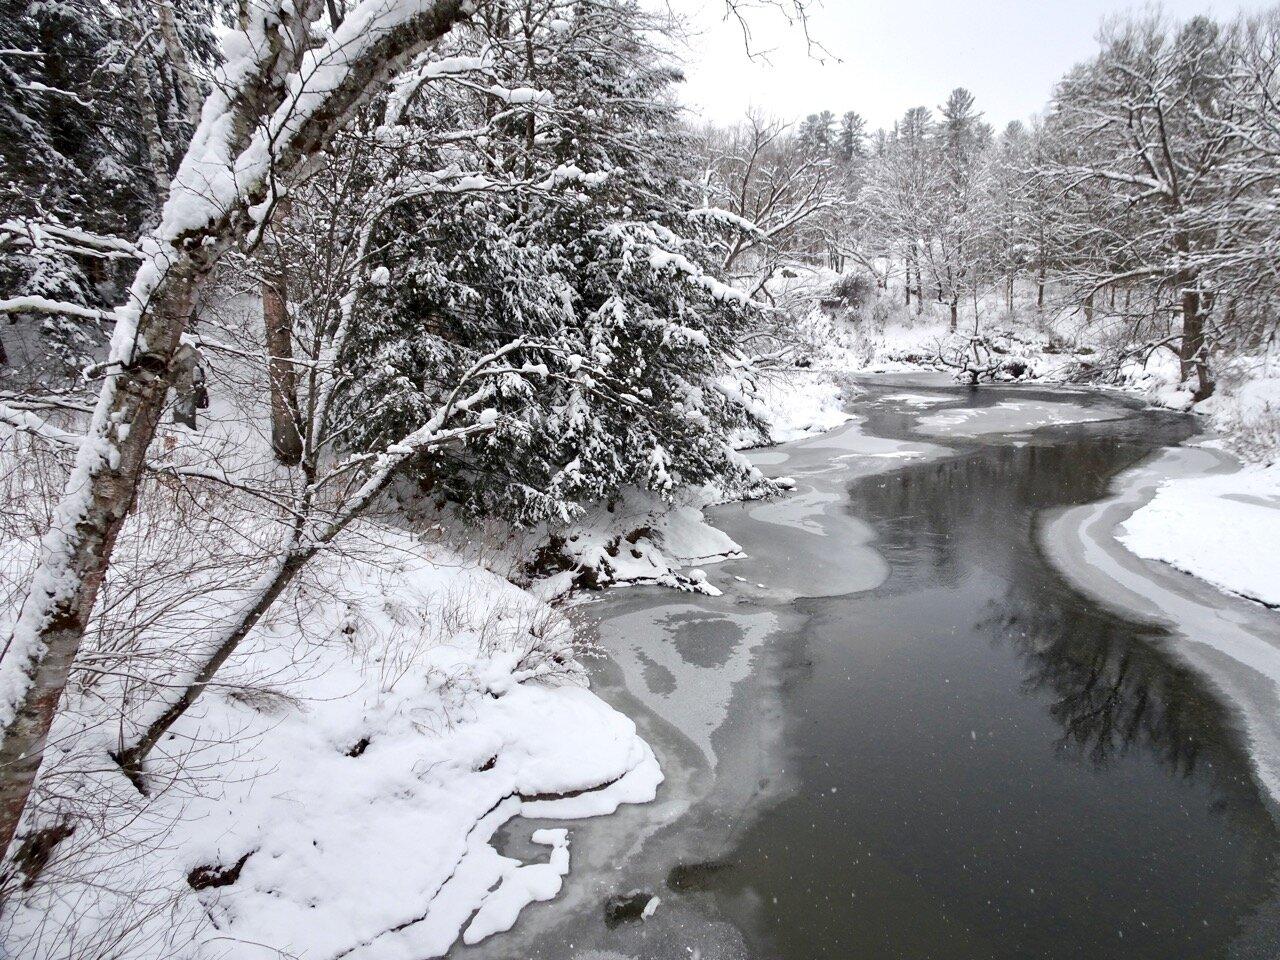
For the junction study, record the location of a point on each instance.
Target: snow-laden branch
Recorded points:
(28, 422)
(729, 219)
(661, 259)
(37, 304)
(43, 234)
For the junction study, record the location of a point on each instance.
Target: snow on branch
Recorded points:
(40, 235)
(38, 304)
(660, 259)
(729, 219)
(28, 422)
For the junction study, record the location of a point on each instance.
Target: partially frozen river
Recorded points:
(904, 732)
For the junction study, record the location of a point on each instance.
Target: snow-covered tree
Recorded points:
(576, 231)
(291, 80)
(97, 101)
(771, 199)
(1141, 149)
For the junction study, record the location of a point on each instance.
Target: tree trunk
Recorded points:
(955, 313)
(131, 760)
(1008, 294)
(181, 64)
(1192, 351)
(133, 397)
(1088, 308)
(140, 78)
(286, 439)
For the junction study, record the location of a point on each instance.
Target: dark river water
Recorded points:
(902, 734)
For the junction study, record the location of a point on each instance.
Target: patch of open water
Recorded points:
(905, 734)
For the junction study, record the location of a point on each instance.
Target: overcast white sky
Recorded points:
(904, 53)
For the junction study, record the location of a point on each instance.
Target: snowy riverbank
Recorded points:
(346, 806)
(354, 784)
(1222, 528)
(1232, 641)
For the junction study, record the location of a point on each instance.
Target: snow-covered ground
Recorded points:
(415, 706)
(1223, 528)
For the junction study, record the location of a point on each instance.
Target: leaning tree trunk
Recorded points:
(304, 544)
(98, 499)
(131, 759)
(77, 550)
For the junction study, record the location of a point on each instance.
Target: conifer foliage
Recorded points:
(562, 219)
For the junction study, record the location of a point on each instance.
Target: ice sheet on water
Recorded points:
(1012, 416)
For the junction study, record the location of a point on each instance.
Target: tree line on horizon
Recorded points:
(1146, 193)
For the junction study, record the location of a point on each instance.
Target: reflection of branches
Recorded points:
(966, 523)
(1110, 690)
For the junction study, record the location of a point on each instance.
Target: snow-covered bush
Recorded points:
(1246, 406)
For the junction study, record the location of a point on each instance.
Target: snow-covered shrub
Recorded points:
(853, 290)
(635, 537)
(1246, 406)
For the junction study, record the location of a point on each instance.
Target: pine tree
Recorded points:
(96, 103)
(589, 255)
(851, 141)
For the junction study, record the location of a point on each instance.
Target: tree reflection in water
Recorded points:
(1110, 686)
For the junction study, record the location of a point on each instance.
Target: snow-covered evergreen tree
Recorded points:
(567, 225)
(97, 101)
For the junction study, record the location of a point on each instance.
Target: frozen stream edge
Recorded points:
(1234, 643)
